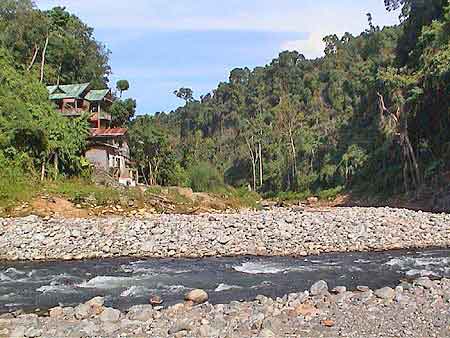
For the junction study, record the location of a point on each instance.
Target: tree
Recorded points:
(122, 86)
(185, 94)
(395, 122)
(151, 150)
(122, 112)
(30, 125)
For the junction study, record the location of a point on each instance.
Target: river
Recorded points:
(129, 281)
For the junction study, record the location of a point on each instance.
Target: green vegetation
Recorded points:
(372, 115)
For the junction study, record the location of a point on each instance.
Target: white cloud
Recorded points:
(312, 47)
(258, 15)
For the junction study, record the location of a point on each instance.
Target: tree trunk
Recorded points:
(44, 52)
(43, 170)
(150, 173)
(55, 165)
(412, 156)
(33, 59)
(261, 174)
(252, 156)
(143, 175)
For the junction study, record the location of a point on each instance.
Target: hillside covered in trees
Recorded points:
(372, 114)
(39, 48)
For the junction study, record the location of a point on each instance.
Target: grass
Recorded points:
(16, 190)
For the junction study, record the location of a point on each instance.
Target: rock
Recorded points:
(4, 333)
(96, 305)
(339, 289)
(141, 313)
(312, 200)
(110, 327)
(328, 322)
(156, 300)
(319, 288)
(56, 312)
(97, 301)
(197, 296)
(267, 333)
(82, 311)
(178, 326)
(362, 288)
(385, 293)
(424, 282)
(18, 332)
(110, 315)
(33, 332)
(306, 310)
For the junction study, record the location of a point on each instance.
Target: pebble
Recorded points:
(278, 232)
(265, 317)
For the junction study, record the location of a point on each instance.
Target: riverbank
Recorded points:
(417, 309)
(275, 232)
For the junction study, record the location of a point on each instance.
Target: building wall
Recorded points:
(98, 157)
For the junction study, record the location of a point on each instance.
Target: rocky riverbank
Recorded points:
(418, 309)
(279, 231)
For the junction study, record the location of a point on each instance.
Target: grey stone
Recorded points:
(385, 293)
(267, 333)
(178, 326)
(141, 313)
(33, 332)
(18, 332)
(339, 289)
(319, 288)
(424, 282)
(110, 327)
(110, 315)
(362, 288)
(82, 311)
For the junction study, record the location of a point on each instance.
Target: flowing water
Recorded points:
(127, 282)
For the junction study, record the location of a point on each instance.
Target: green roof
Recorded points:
(67, 91)
(97, 95)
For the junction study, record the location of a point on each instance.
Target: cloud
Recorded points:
(312, 47)
(201, 15)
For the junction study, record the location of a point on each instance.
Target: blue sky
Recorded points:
(161, 45)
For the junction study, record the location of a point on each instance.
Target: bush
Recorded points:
(15, 184)
(293, 196)
(203, 177)
(330, 194)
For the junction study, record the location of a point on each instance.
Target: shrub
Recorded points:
(330, 194)
(204, 177)
(15, 184)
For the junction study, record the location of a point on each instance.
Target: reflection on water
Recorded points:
(126, 282)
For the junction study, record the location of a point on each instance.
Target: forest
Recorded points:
(372, 115)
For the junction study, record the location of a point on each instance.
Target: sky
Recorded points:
(160, 46)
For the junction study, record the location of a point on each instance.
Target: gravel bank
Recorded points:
(279, 231)
(420, 309)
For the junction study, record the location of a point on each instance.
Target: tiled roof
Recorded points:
(67, 91)
(97, 95)
(110, 132)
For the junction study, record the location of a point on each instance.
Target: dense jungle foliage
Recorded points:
(372, 114)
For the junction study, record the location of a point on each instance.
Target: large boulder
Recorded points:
(197, 296)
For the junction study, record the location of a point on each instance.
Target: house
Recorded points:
(107, 147)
